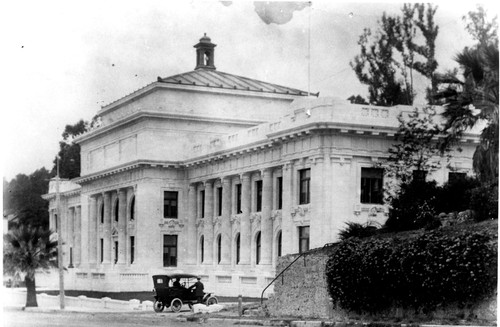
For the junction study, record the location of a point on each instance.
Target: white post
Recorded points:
(59, 240)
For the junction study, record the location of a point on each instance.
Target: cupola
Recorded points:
(205, 53)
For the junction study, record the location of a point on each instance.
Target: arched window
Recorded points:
(132, 208)
(101, 213)
(257, 249)
(117, 208)
(279, 244)
(219, 248)
(202, 249)
(238, 248)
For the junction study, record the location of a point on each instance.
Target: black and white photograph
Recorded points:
(262, 163)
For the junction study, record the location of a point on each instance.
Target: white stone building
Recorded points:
(215, 174)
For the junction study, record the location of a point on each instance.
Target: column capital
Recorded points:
(208, 182)
(246, 176)
(266, 171)
(287, 165)
(226, 179)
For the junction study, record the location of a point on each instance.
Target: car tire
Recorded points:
(212, 300)
(158, 306)
(176, 305)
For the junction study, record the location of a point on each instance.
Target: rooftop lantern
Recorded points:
(205, 53)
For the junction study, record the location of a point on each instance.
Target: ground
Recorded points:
(19, 318)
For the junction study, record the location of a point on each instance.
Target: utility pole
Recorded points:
(59, 241)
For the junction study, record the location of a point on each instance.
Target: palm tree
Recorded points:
(472, 100)
(28, 249)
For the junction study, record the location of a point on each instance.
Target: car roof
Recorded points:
(172, 276)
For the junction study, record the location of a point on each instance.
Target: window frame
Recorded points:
(171, 211)
(367, 193)
(167, 256)
(304, 186)
(301, 231)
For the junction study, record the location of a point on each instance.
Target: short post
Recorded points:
(240, 305)
(330, 308)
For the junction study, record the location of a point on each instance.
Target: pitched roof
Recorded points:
(217, 79)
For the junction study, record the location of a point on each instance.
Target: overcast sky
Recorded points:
(65, 59)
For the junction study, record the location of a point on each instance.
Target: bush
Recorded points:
(484, 202)
(424, 272)
(413, 207)
(454, 196)
(357, 230)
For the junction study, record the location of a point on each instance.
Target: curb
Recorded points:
(310, 323)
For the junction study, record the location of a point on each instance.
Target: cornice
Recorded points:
(144, 114)
(195, 88)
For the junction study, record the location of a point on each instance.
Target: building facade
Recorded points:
(216, 174)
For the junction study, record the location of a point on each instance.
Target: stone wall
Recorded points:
(302, 290)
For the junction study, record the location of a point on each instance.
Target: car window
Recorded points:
(159, 281)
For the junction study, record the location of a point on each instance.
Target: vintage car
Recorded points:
(169, 293)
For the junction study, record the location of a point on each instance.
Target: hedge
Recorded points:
(422, 273)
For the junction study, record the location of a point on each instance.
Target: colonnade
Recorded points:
(226, 206)
(109, 213)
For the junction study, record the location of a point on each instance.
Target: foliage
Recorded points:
(484, 202)
(474, 99)
(414, 206)
(28, 249)
(389, 57)
(23, 197)
(69, 151)
(421, 273)
(455, 195)
(358, 99)
(415, 148)
(357, 230)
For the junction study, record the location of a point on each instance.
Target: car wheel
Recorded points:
(212, 300)
(176, 305)
(158, 306)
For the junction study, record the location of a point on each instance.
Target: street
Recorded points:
(15, 317)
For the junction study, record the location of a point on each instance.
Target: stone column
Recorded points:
(245, 225)
(70, 233)
(107, 228)
(286, 222)
(226, 221)
(93, 242)
(319, 222)
(122, 226)
(191, 226)
(209, 227)
(266, 223)
(78, 237)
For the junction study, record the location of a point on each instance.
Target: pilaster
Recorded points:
(122, 226)
(209, 227)
(245, 225)
(266, 221)
(226, 223)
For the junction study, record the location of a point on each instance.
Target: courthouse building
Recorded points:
(218, 175)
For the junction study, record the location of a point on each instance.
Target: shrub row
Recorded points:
(423, 273)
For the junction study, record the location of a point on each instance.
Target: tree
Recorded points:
(387, 60)
(28, 249)
(474, 98)
(23, 197)
(416, 149)
(69, 153)
(358, 99)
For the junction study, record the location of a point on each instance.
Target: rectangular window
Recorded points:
(258, 186)
(202, 204)
(238, 198)
(116, 252)
(169, 250)
(280, 193)
(170, 204)
(456, 177)
(132, 249)
(303, 239)
(371, 185)
(304, 186)
(102, 250)
(219, 197)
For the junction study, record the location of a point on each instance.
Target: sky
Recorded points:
(66, 59)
